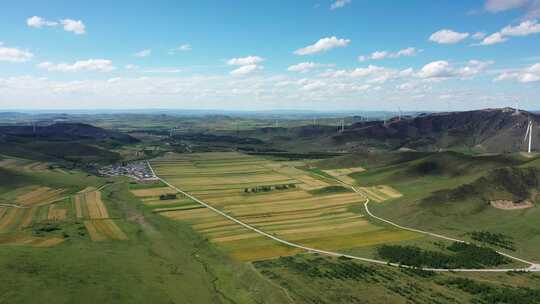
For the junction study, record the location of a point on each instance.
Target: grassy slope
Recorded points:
(163, 262)
(73, 151)
(312, 279)
(419, 178)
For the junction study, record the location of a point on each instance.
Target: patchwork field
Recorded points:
(343, 174)
(22, 207)
(30, 196)
(253, 190)
(29, 214)
(89, 206)
(380, 193)
(104, 229)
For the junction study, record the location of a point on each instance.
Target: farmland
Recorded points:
(318, 219)
(27, 208)
(67, 236)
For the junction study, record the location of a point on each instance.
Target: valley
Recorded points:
(356, 217)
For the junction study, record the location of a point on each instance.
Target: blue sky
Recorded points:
(255, 55)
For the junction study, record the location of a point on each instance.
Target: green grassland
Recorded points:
(449, 193)
(166, 260)
(319, 279)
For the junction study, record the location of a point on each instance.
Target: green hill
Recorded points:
(449, 193)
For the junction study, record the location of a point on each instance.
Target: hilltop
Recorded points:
(480, 131)
(61, 142)
(65, 132)
(489, 130)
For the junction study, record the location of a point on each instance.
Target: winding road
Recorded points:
(533, 267)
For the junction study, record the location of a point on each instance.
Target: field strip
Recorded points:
(14, 206)
(533, 268)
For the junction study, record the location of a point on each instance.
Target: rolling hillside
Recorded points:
(490, 130)
(64, 132)
(62, 142)
(479, 131)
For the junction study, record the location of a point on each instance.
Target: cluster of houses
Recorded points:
(140, 170)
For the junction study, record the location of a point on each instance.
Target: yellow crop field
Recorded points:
(155, 201)
(345, 171)
(28, 217)
(343, 174)
(35, 166)
(78, 207)
(310, 183)
(8, 163)
(380, 193)
(252, 198)
(89, 205)
(322, 221)
(26, 240)
(388, 191)
(9, 219)
(37, 196)
(153, 191)
(56, 213)
(96, 208)
(187, 207)
(104, 229)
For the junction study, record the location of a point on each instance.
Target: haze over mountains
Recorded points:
(484, 131)
(490, 130)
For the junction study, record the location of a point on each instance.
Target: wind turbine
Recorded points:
(528, 133)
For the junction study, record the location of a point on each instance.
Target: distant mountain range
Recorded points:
(65, 132)
(489, 131)
(72, 143)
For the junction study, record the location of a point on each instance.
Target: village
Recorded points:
(139, 170)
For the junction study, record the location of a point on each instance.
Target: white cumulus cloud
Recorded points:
(339, 4)
(526, 75)
(525, 28)
(143, 53)
(39, 22)
(446, 36)
(247, 65)
(442, 69)
(249, 60)
(131, 67)
(181, 48)
(11, 54)
(75, 26)
(478, 36)
(100, 65)
(377, 55)
(493, 39)
(530, 7)
(324, 44)
(303, 67)
(496, 6)
(245, 69)
(373, 74)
